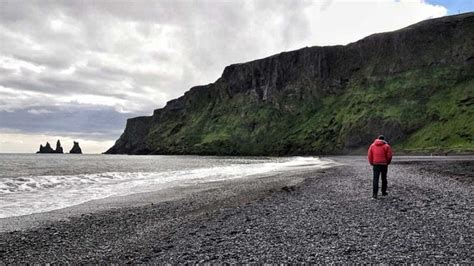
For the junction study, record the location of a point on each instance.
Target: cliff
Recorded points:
(414, 85)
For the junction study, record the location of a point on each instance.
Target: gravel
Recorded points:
(326, 216)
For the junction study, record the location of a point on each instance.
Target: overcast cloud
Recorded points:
(68, 66)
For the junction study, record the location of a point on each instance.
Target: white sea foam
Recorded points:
(32, 194)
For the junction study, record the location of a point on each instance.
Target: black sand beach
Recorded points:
(326, 216)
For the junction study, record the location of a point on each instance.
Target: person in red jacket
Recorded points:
(380, 156)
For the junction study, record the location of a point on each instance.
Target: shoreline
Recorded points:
(34, 220)
(324, 216)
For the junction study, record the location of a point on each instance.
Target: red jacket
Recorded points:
(380, 153)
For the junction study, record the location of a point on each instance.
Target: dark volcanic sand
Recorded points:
(329, 217)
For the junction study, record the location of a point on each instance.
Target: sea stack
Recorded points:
(59, 149)
(46, 149)
(76, 149)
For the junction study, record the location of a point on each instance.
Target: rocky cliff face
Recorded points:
(413, 85)
(133, 139)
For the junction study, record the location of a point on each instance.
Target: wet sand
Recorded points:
(324, 216)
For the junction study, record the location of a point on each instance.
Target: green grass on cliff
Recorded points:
(420, 110)
(451, 126)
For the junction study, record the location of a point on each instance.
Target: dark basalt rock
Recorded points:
(59, 149)
(76, 149)
(133, 138)
(47, 148)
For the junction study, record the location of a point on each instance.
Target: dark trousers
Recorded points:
(380, 169)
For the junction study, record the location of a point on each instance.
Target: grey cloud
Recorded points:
(108, 70)
(100, 122)
(14, 12)
(50, 85)
(60, 86)
(48, 60)
(159, 56)
(6, 71)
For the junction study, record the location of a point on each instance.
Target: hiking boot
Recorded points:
(374, 196)
(384, 194)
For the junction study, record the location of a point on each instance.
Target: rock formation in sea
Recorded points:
(47, 148)
(58, 149)
(76, 148)
(413, 85)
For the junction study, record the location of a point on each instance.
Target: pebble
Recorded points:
(328, 218)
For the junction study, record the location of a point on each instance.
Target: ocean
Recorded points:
(34, 183)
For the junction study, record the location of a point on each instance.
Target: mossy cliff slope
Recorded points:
(415, 85)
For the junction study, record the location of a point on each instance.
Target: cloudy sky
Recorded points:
(76, 70)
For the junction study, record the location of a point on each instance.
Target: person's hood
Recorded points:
(379, 142)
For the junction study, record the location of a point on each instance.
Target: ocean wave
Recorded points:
(29, 194)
